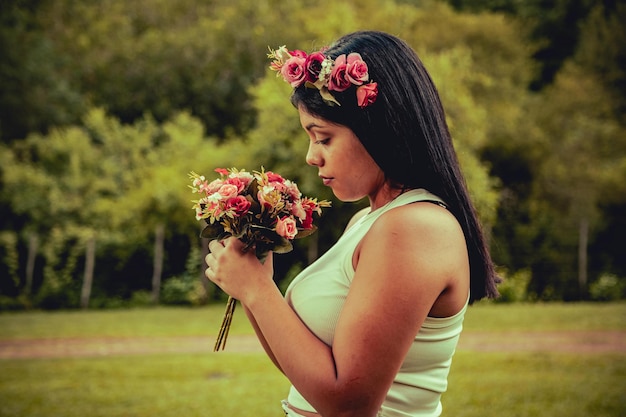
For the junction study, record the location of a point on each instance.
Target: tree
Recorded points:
(36, 94)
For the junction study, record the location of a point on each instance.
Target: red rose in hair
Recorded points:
(366, 94)
(313, 66)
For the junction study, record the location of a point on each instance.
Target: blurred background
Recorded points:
(105, 106)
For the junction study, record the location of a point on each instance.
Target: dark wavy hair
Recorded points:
(406, 133)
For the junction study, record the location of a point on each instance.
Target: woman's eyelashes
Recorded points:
(322, 141)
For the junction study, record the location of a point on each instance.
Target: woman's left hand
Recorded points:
(239, 274)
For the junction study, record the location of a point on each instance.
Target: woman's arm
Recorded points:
(407, 259)
(261, 338)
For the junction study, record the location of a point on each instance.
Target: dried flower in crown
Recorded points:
(316, 70)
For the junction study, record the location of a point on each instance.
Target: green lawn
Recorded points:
(503, 384)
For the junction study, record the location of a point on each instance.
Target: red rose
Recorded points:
(240, 205)
(313, 66)
(273, 177)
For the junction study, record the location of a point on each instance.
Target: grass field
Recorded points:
(482, 383)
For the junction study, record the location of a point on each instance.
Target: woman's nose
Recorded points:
(312, 158)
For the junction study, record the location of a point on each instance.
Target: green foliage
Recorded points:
(36, 90)
(9, 256)
(514, 287)
(607, 288)
(108, 106)
(186, 289)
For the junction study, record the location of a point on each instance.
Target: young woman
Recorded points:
(370, 328)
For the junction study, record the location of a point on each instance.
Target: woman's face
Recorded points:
(343, 163)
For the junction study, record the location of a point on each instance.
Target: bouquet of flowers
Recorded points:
(262, 209)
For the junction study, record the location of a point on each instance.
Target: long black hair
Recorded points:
(406, 133)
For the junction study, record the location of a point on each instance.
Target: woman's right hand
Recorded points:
(237, 272)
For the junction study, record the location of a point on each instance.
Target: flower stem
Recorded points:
(220, 343)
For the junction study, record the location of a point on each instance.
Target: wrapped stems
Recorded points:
(220, 343)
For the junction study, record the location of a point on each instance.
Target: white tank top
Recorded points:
(318, 294)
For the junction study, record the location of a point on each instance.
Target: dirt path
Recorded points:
(570, 342)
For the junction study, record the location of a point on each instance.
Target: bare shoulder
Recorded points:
(419, 222)
(424, 237)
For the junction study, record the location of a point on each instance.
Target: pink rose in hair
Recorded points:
(366, 94)
(338, 80)
(286, 227)
(313, 66)
(293, 71)
(356, 69)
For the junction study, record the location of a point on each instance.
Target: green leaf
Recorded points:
(212, 231)
(306, 232)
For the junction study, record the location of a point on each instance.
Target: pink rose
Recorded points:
(286, 227)
(293, 71)
(239, 204)
(240, 183)
(227, 191)
(213, 186)
(313, 66)
(356, 69)
(338, 80)
(366, 94)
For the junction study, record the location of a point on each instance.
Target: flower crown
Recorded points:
(319, 71)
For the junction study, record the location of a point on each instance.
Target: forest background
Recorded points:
(105, 106)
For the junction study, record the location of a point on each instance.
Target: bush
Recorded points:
(514, 286)
(141, 298)
(12, 303)
(185, 290)
(607, 288)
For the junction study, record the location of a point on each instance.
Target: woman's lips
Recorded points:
(326, 180)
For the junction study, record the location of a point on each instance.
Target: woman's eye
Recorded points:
(322, 141)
